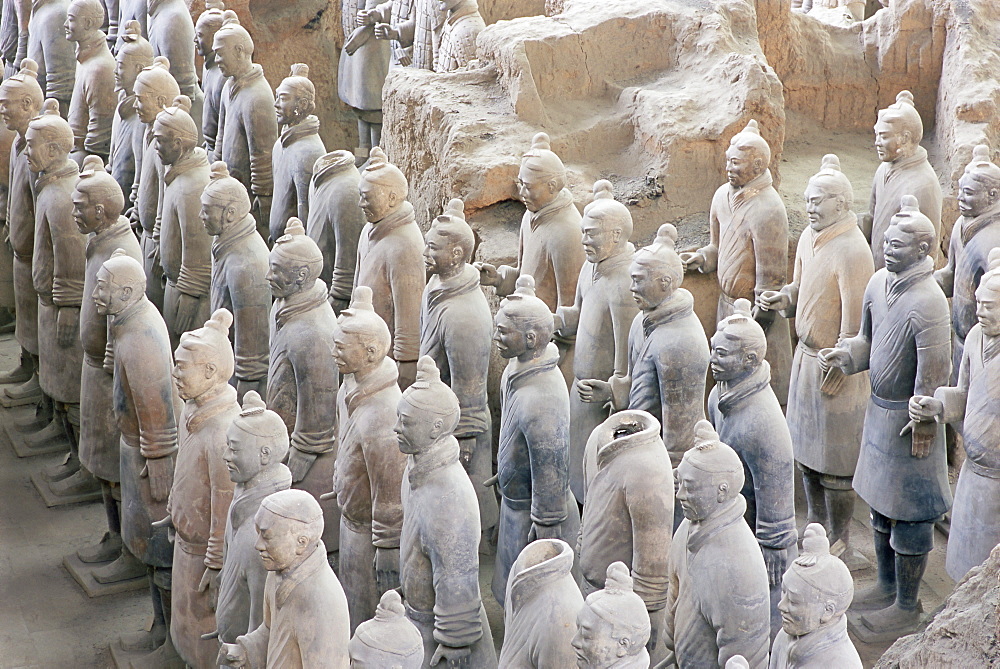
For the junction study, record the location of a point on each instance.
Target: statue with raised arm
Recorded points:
(613, 628)
(212, 79)
(202, 490)
(905, 170)
(387, 640)
(748, 249)
(439, 544)
(126, 128)
(902, 473)
(826, 410)
(297, 149)
(256, 443)
(239, 267)
(92, 107)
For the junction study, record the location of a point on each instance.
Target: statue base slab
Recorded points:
(8, 402)
(867, 635)
(51, 499)
(83, 574)
(24, 450)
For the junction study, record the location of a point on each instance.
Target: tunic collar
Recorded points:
(287, 308)
(611, 263)
(116, 230)
(679, 305)
(197, 158)
(701, 532)
(903, 164)
(440, 454)
(382, 377)
(246, 500)
(239, 83)
(971, 226)
(460, 13)
(439, 291)
(825, 236)
(528, 580)
(126, 105)
(233, 236)
(751, 190)
(293, 133)
(397, 219)
(517, 371)
(897, 284)
(991, 346)
(732, 395)
(563, 199)
(612, 446)
(291, 578)
(45, 178)
(331, 164)
(809, 648)
(89, 48)
(201, 409)
(121, 319)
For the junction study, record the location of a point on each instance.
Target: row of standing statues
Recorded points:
(266, 368)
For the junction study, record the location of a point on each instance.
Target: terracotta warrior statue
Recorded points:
(302, 377)
(533, 455)
(599, 318)
(717, 597)
(364, 62)
(439, 558)
(390, 260)
(815, 593)
(668, 354)
(131, 10)
(387, 640)
(456, 328)
(612, 628)
(550, 247)
(902, 470)
(92, 107)
(298, 148)
(748, 250)
(185, 245)
(144, 400)
(369, 468)
(826, 411)
(629, 513)
(126, 128)
(171, 33)
(14, 35)
(458, 35)
(335, 222)
(416, 25)
(256, 443)
(542, 603)
(905, 170)
(51, 51)
(97, 206)
(392, 20)
(239, 265)
(975, 234)
(20, 101)
(745, 411)
(305, 621)
(972, 402)
(58, 270)
(247, 126)
(155, 90)
(212, 79)
(202, 490)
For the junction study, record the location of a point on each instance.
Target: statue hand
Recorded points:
(386, 568)
(692, 260)
(232, 655)
(210, 583)
(921, 437)
(465, 449)
(833, 357)
(776, 560)
(773, 300)
(366, 17)
(299, 463)
(67, 326)
(407, 373)
(544, 532)
(187, 311)
(385, 31)
(488, 274)
(338, 304)
(161, 477)
(244, 386)
(594, 390)
(454, 657)
(924, 408)
(764, 317)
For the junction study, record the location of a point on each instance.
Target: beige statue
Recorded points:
(305, 623)
(458, 35)
(905, 170)
(239, 268)
(212, 80)
(247, 126)
(256, 443)
(126, 128)
(364, 62)
(297, 149)
(550, 247)
(49, 48)
(599, 318)
(815, 593)
(748, 250)
(390, 260)
(613, 627)
(826, 410)
(370, 466)
(92, 107)
(185, 246)
(171, 33)
(387, 640)
(202, 491)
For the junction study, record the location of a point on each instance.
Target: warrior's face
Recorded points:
(975, 197)
(823, 208)
(902, 250)
(803, 608)
(743, 166)
(890, 142)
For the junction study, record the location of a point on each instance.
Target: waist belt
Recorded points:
(983, 470)
(890, 405)
(422, 617)
(516, 504)
(808, 350)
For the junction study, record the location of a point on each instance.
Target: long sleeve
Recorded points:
(622, 314)
(101, 99)
(652, 517)
(251, 308)
(456, 580)
(546, 431)
(220, 127)
(932, 337)
(955, 397)
(711, 252)
(262, 133)
(255, 643)
(316, 400)
(385, 465)
(770, 247)
(60, 60)
(153, 394)
(69, 254)
(860, 347)
(945, 276)
(195, 278)
(570, 315)
(301, 184)
(852, 296)
(406, 282)
(221, 498)
(347, 224)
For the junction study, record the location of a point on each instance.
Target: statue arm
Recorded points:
(547, 433)
(60, 63)
(711, 252)
(347, 224)
(316, 410)
(859, 347)
(852, 279)
(220, 126)
(101, 99)
(933, 344)
(251, 314)
(955, 398)
(945, 276)
(153, 394)
(69, 257)
(302, 181)
(262, 133)
(406, 282)
(23, 10)
(457, 598)
(255, 643)
(567, 318)
(770, 244)
(195, 276)
(385, 466)
(622, 315)
(866, 221)
(652, 514)
(740, 617)
(669, 623)
(221, 488)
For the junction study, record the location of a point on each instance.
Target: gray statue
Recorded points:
(126, 128)
(171, 33)
(364, 62)
(612, 627)
(458, 34)
(297, 149)
(92, 107)
(212, 79)
(51, 51)
(387, 640)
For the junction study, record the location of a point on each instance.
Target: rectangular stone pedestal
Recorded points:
(8, 402)
(23, 450)
(83, 573)
(51, 499)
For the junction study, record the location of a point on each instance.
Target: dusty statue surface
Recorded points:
(612, 626)
(387, 640)
(92, 106)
